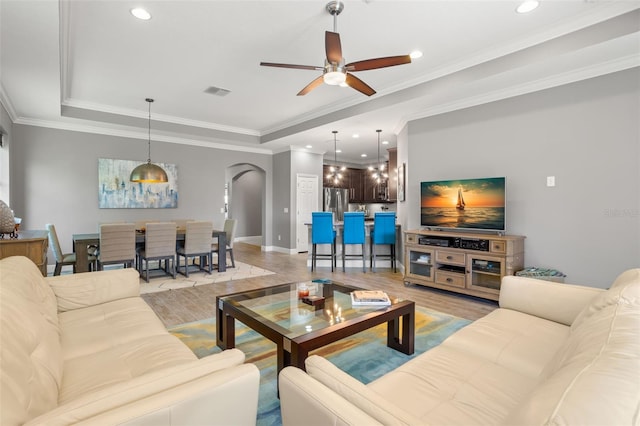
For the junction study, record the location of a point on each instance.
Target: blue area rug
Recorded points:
(364, 356)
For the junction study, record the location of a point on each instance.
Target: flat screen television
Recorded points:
(473, 204)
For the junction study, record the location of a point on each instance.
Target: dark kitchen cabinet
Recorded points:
(362, 187)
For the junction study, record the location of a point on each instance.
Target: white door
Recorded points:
(307, 202)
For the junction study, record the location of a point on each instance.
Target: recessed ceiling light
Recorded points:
(355, 135)
(363, 155)
(527, 6)
(309, 146)
(140, 13)
(385, 142)
(338, 151)
(415, 54)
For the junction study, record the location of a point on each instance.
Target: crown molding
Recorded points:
(585, 73)
(75, 127)
(7, 104)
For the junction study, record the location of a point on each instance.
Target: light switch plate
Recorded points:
(551, 181)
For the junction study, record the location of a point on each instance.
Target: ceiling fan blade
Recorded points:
(309, 87)
(298, 67)
(333, 47)
(355, 83)
(372, 64)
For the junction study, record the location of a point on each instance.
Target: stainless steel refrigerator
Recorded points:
(336, 200)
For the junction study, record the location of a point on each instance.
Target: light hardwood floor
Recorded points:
(193, 304)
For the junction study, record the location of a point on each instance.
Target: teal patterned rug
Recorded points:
(364, 356)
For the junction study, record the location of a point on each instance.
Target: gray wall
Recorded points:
(6, 126)
(281, 199)
(305, 163)
(54, 179)
(586, 134)
(286, 166)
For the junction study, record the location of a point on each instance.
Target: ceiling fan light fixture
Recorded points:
(141, 13)
(335, 78)
(527, 6)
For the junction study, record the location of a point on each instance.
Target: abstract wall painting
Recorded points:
(115, 191)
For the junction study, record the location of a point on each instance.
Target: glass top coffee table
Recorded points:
(279, 314)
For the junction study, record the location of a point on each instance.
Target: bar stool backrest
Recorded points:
(353, 229)
(322, 228)
(384, 228)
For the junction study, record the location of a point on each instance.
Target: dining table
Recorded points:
(81, 243)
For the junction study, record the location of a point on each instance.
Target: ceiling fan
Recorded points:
(335, 71)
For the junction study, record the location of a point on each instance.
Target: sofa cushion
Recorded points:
(478, 374)
(116, 341)
(512, 339)
(588, 382)
(32, 363)
(447, 386)
(97, 328)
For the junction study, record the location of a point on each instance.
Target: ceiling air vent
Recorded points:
(217, 91)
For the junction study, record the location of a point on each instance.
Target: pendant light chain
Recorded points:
(149, 172)
(149, 100)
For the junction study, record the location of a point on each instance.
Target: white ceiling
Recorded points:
(88, 65)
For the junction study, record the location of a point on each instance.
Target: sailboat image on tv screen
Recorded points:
(460, 203)
(464, 203)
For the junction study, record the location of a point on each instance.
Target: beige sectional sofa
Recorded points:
(85, 348)
(551, 354)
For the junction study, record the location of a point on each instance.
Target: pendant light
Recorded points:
(378, 173)
(334, 174)
(149, 172)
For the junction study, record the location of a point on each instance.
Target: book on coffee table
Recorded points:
(369, 298)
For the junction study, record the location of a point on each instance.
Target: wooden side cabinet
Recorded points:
(472, 264)
(33, 244)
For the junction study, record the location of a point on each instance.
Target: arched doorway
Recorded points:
(246, 188)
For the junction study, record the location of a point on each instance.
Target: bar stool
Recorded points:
(353, 233)
(384, 233)
(322, 232)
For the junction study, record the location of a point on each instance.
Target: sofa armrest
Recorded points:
(556, 302)
(94, 288)
(357, 392)
(306, 401)
(218, 389)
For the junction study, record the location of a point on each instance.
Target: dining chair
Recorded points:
(323, 232)
(117, 244)
(353, 233)
(197, 243)
(159, 244)
(63, 259)
(383, 233)
(230, 226)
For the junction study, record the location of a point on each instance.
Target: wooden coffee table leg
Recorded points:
(226, 330)
(405, 342)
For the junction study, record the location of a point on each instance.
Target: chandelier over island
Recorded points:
(378, 172)
(335, 174)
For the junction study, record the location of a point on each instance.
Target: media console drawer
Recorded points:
(450, 278)
(450, 257)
